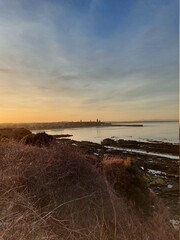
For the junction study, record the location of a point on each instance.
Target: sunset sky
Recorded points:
(88, 59)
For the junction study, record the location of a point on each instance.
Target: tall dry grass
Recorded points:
(127, 179)
(56, 193)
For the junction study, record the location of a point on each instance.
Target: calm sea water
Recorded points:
(159, 131)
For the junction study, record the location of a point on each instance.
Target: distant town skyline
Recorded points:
(65, 60)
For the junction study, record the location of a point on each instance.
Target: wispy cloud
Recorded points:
(79, 54)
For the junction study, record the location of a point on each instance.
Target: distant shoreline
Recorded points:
(127, 125)
(65, 125)
(80, 124)
(105, 121)
(146, 121)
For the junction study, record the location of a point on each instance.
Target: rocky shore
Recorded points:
(161, 172)
(157, 161)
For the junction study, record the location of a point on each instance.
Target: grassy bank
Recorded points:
(57, 192)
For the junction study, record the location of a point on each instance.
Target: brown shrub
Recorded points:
(55, 193)
(39, 139)
(19, 133)
(63, 187)
(127, 180)
(14, 133)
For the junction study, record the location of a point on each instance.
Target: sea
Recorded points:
(151, 131)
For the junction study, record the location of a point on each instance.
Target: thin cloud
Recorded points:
(55, 50)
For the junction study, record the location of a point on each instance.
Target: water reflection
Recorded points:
(167, 132)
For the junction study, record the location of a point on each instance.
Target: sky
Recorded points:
(71, 60)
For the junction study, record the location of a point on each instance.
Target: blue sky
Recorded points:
(88, 59)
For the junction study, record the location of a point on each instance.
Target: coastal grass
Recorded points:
(56, 193)
(127, 179)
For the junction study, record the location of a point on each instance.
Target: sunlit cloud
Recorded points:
(115, 60)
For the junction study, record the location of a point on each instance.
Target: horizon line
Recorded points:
(120, 121)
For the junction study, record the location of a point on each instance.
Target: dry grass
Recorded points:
(13, 133)
(127, 180)
(39, 139)
(56, 193)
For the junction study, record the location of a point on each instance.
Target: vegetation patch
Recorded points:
(128, 180)
(14, 133)
(55, 192)
(39, 139)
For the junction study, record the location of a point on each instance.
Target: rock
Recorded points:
(175, 224)
(109, 142)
